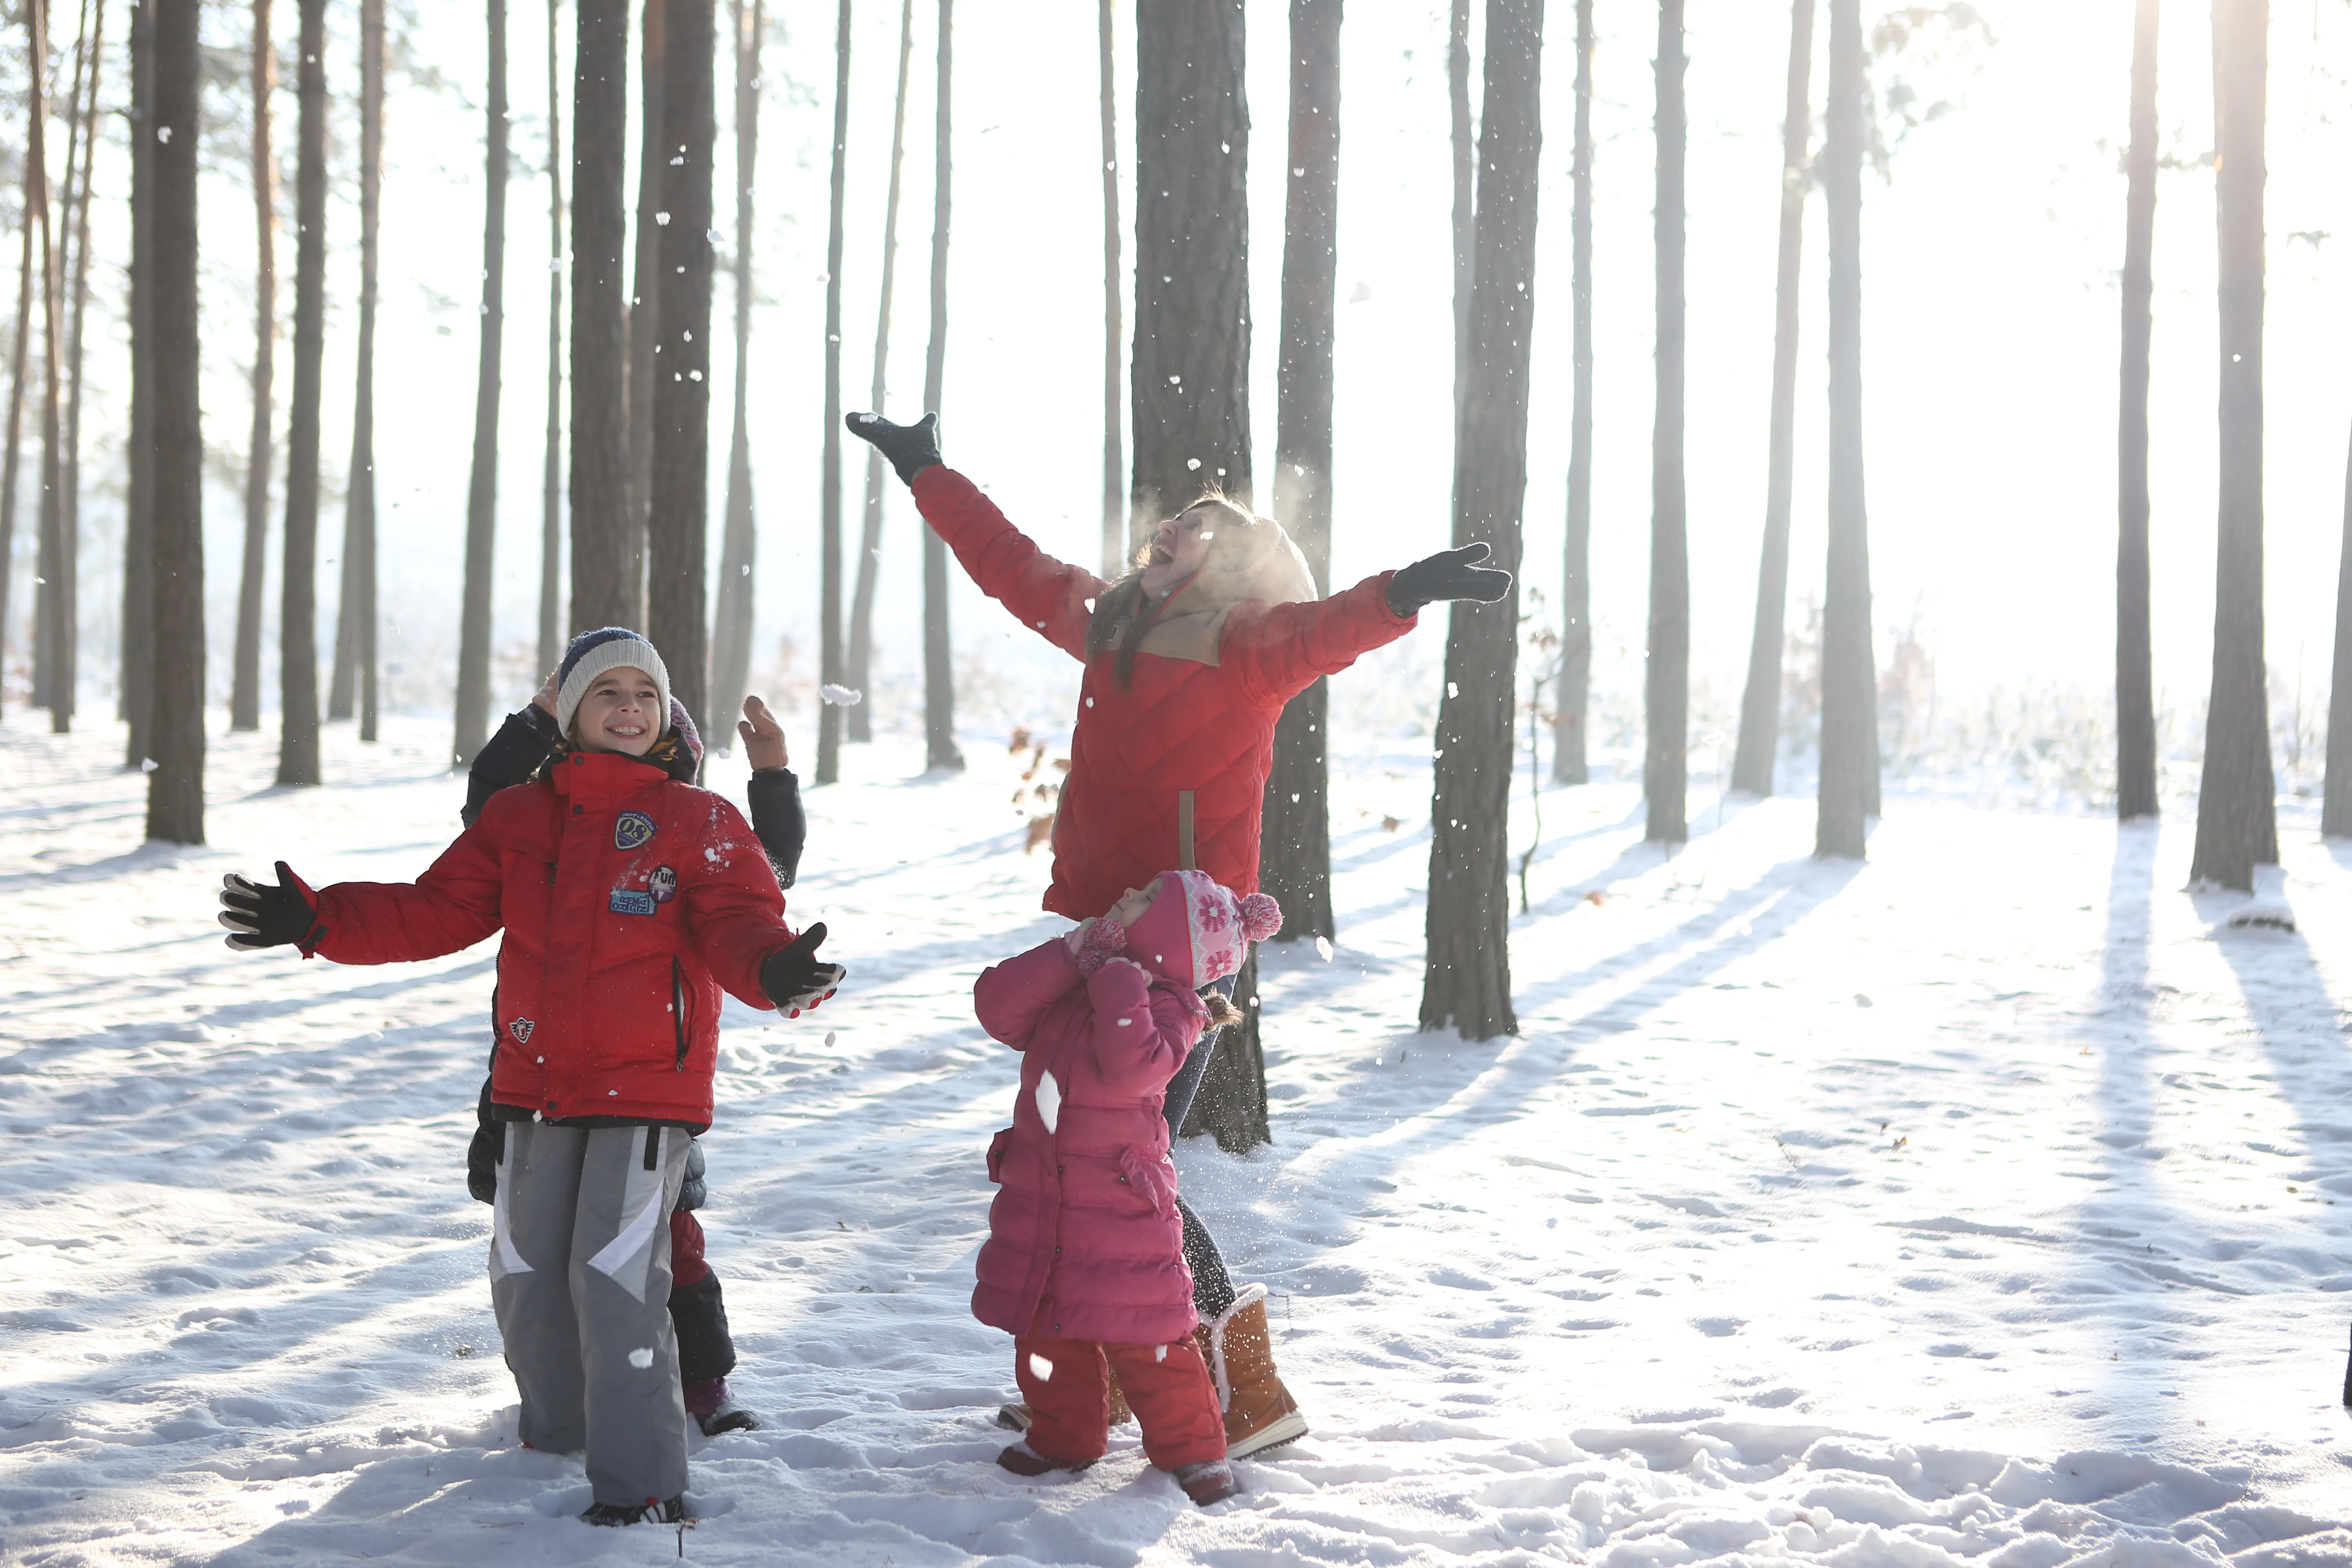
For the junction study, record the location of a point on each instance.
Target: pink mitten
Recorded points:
(1105, 940)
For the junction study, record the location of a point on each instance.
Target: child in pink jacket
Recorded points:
(1085, 1260)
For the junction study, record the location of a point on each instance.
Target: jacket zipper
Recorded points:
(678, 1009)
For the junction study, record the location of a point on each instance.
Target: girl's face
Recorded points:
(1129, 909)
(1180, 547)
(618, 713)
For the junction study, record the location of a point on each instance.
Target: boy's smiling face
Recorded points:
(618, 713)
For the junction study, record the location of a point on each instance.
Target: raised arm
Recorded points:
(1277, 650)
(1010, 997)
(526, 738)
(1142, 1035)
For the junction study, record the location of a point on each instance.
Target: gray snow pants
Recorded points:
(579, 1279)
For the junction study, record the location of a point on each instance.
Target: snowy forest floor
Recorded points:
(1985, 1203)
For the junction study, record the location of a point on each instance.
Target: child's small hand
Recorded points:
(763, 737)
(545, 696)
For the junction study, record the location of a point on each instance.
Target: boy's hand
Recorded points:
(795, 979)
(261, 917)
(763, 737)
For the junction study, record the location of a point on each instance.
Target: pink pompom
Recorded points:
(1261, 917)
(1105, 940)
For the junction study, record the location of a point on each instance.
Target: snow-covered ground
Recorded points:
(1977, 1204)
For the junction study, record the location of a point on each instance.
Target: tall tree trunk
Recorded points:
(244, 686)
(473, 719)
(940, 748)
(869, 544)
(1465, 198)
(2336, 800)
(2134, 679)
(2237, 824)
(599, 425)
(679, 529)
(359, 510)
(1296, 826)
(1114, 468)
(139, 605)
(298, 615)
(551, 485)
(53, 679)
(1667, 691)
(176, 789)
(730, 650)
(1849, 708)
(645, 298)
(35, 176)
(829, 654)
(1468, 980)
(1759, 706)
(1573, 700)
(73, 279)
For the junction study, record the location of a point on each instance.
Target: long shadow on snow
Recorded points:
(235, 1014)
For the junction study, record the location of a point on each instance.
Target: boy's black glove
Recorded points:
(795, 978)
(1448, 574)
(270, 917)
(911, 448)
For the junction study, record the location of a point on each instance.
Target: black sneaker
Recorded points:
(670, 1513)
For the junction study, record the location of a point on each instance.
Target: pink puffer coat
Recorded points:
(1084, 1238)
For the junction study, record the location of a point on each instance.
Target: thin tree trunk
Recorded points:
(829, 655)
(645, 297)
(1572, 702)
(1114, 470)
(1465, 199)
(2335, 799)
(599, 425)
(176, 789)
(2237, 824)
(551, 489)
(1666, 765)
(678, 531)
(1849, 712)
(2136, 792)
(34, 176)
(1468, 980)
(139, 603)
(940, 748)
(731, 651)
(1759, 708)
(359, 511)
(53, 679)
(245, 686)
(869, 544)
(73, 273)
(298, 615)
(473, 719)
(1295, 831)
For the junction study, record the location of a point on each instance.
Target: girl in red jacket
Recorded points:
(1085, 1260)
(630, 900)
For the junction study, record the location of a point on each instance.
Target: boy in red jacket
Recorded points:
(629, 900)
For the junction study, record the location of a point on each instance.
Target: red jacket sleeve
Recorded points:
(451, 907)
(1275, 651)
(1051, 597)
(1142, 1033)
(734, 909)
(1010, 997)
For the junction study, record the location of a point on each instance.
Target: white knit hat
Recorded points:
(591, 655)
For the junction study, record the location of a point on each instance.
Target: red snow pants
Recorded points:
(686, 1264)
(1167, 1386)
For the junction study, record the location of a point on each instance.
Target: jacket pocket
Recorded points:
(996, 1155)
(1149, 1181)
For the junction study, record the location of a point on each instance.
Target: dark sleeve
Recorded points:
(526, 739)
(777, 819)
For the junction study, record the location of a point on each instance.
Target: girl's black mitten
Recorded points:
(795, 978)
(1448, 574)
(911, 448)
(259, 916)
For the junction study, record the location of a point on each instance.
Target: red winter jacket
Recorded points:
(628, 899)
(1084, 1238)
(1199, 721)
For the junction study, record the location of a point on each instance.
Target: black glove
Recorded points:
(270, 917)
(911, 448)
(1448, 574)
(795, 979)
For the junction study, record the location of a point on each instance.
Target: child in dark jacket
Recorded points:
(1084, 1261)
(629, 902)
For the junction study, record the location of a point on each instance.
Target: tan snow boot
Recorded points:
(1238, 1347)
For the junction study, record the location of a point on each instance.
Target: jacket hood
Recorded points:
(1253, 562)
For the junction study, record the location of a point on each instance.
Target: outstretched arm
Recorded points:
(1277, 650)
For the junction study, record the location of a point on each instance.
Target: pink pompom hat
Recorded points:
(1197, 932)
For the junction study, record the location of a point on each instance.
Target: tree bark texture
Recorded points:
(2335, 799)
(356, 624)
(473, 717)
(35, 176)
(940, 748)
(551, 485)
(1231, 1104)
(53, 668)
(77, 283)
(1666, 767)
(1465, 189)
(678, 526)
(1295, 831)
(1849, 706)
(245, 684)
(1190, 380)
(731, 652)
(297, 613)
(1759, 709)
(1468, 980)
(2134, 678)
(1572, 702)
(600, 425)
(869, 542)
(829, 654)
(138, 684)
(1114, 468)
(2237, 824)
(653, 154)
(176, 789)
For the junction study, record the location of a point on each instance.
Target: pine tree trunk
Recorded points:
(551, 488)
(245, 688)
(8, 465)
(91, 52)
(1231, 1102)
(1465, 199)
(137, 685)
(1666, 691)
(176, 789)
(829, 654)
(2136, 792)
(359, 491)
(1572, 704)
(1295, 831)
(1759, 706)
(53, 679)
(1468, 980)
(1114, 467)
(2237, 824)
(359, 511)
(1849, 709)
(679, 527)
(939, 750)
(644, 299)
(730, 652)
(869, 544)
(298, 615)
(473, 719)
(599, 425)
(2336, 800)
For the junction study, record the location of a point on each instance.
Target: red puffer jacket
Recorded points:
(1198, 719)
(628, 899)
(1083, 1239)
